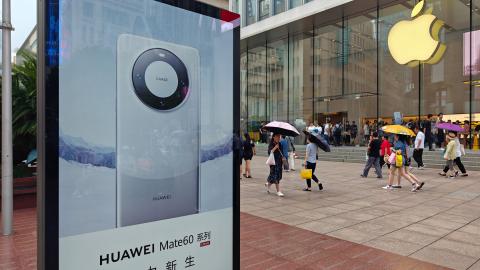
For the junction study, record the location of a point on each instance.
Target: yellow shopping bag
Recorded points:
(306, 173)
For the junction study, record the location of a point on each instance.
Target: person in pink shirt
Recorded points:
(385, 149)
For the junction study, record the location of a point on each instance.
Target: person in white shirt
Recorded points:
(419, 145)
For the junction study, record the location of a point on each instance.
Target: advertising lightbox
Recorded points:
(138, 123)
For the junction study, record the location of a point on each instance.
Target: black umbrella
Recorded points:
(318, 139)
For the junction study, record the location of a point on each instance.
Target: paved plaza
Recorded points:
(439, 224)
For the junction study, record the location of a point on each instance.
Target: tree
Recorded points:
(24, 105)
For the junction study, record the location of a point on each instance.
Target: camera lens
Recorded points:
(160, 79)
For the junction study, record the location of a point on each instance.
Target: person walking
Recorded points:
(419, 145)
(366, 131)
(291, 155)
(284, 144)
(311, 163)
(427, 129)
(440, 132)
(450, 154)
(354, 132)
(337, 134)
(373, 156)
(275, 175)
(398, 166)
(348, 133)
(248, 153)
(457, 160)
(385, 151)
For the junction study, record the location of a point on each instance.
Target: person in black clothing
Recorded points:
(348, 130)
(354, 131)
(373, 156)
(427, 129)
(248, 153)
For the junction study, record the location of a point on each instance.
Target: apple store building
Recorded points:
(358, 60)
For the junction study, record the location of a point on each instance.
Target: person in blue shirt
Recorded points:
(284, 145)
(400, 145)
(311, 163)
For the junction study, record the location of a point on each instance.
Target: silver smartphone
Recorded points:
(158, 136)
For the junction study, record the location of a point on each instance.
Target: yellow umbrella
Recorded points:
(398, 129)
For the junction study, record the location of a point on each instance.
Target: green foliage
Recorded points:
(24, 105)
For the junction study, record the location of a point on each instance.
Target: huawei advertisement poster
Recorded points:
(145, 136)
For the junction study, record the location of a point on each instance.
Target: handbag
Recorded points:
(306, 173)
(271, 160)
(391, 158)
(291, 161)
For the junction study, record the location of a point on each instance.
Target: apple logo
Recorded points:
(417, 41)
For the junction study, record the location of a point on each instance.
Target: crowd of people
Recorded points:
(384, 150)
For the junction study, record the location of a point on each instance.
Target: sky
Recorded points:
(24, 18)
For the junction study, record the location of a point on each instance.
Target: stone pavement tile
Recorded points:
(429, 230)
(413, 237)
(311, 214)
(460, 236)
(394, 245)
(340, 222)
(249, 208)
(292, 219)
(319, 227)
(266, 213)
(372, 228)
(442, 223)
(356, 215)
(475, 229)
(352, 235)
(475, 266)
(444, 257)
(466, 249)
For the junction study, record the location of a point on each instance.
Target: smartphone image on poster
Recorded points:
(158, 136)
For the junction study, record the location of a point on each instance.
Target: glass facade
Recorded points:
(343, 71)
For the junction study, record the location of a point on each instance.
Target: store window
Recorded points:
(295, 3)
(277, 80)
(264, 9)
(251, 11)
(279, 6)
(256, 87)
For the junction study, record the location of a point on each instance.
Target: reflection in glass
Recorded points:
(257, 80)
(264, 9)
(279, 6)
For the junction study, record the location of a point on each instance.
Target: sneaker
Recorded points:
(267, 188)
(363, 176)
(421, 167)
(396, 186)
(280, 194)
(320, 186)
(307, 189)
(442, 174)
(456, 173)
(464, 175)
(415, 188)
(388, 187)
(451, 176)
(421, 185)
(380, 177)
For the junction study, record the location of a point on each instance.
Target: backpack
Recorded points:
(398, 159)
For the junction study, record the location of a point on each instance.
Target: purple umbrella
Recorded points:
(451, 127)
(281, 128)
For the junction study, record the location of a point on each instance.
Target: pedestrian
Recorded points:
(419, 145)
(275, 175)
(337, 134)
(466, 133)
(458, 161)
(385, 151)
(248, 153)
(399, 164)
(263, 133)
(373, 153)
(354, 132)
(311, 163)
(348, 133)
(440, 132)
(366, 131)
(450, 154)
(291, 155)
(427, 129)
(284, 144)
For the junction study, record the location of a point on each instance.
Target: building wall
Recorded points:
(343, 71)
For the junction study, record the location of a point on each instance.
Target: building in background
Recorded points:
(29, 45)
(328, 60)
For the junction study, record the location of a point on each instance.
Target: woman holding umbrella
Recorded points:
(275, 170)
(400, 146)
(278, 129)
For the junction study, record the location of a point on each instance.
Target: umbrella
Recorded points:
(317, 139)
(281, 128)
(451, 127)
(398, 129)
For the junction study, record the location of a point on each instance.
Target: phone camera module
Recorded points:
(160, 79)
